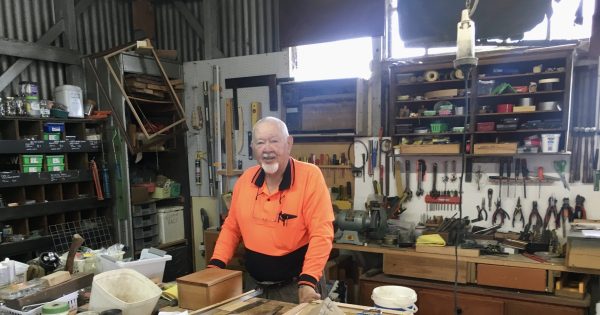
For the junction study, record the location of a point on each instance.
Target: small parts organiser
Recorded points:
(35, 163)
(145, 229)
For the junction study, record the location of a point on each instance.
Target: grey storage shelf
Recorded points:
(44, 198)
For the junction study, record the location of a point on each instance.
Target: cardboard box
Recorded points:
(139, 194)
(583, 253)
(452, 148)
(495, 148)
(207, 287)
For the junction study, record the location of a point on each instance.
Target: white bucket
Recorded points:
(124, 289)
(550, 142)
(71, 97)
(395, 298)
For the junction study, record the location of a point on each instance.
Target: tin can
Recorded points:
(7, 231)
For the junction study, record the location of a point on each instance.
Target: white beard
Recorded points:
(270, 168)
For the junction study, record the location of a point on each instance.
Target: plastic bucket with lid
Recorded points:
(395, 298)
(124, 289)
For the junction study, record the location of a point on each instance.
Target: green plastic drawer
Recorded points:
(55, 160)
(29, 168)
(33, 159)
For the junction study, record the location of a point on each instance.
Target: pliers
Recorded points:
(566, 212)
(551, 211)
(499, 212)
(518, 213)
(579, 208)
(535, 214)
(482, 214)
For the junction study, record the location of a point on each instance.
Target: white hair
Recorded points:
(270, 119)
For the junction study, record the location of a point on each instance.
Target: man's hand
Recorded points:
(307, 294)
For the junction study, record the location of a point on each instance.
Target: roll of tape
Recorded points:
(431, 75)
(458, 74)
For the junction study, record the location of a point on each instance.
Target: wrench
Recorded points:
(434, 192)
(421, 169)
(445, 178)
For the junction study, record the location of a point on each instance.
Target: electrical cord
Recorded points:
(467, 72)
(354, 167)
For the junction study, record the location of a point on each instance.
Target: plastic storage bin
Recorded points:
(145, 242)
(71, 97)
(32, 159)
(170, 224)
(550, 142)
(70, 298)
(152, 268)
(143, 221)
(146, 209)
(54, 127)
(124, 289)
(144, 232)
(55, 159)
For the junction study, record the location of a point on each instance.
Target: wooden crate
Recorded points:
(583, 253)
(513, 277)
(495, 148)
(207, 287)
(424, 267)
(452, 148)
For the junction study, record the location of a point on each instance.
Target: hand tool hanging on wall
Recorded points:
(518, 213)
(508, 170)
(96, 178)
(421, 170)
(239, 131)
(481, 212)
(434, 192)
(398, 178)
(209, 141)
(358, 170)
(445, 178)
(407, 191)
(525, 174)
(216, 90)
(501, 176)
(566, 215)
(517, 171)
(478, 176)
(551, 211)
(579, 208)
(499, 212)
(370, 153)
(559, 167)
(540, 174)
(535, 216)
(453, 178)
(269, 80)
(490, 193)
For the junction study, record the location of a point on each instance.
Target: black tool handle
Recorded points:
(517, 168)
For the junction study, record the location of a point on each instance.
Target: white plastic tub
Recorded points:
(395, 298)
(153, 268)
(550, 142)
(124, 289)
(71, 97)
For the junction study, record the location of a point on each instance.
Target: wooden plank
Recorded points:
(422, 267)
(447, 250)
(77, 281)
(23, 49)
(157, 87)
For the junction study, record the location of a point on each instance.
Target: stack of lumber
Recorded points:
(150, 86)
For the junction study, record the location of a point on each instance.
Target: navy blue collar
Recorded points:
(286, 181)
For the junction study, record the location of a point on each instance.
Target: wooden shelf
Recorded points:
(520, 113)
(429, 134)
(335, 166)
(520, 131)
(29, 245)
(523, 94)
(455, 98)
(519, 154)
(520, 75)
(431, 117)
(432, 82)
(52, 119)
(51, 207)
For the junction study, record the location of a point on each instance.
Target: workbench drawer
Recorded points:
(512, 277)
(424, 267)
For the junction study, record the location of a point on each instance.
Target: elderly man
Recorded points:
(282, 211)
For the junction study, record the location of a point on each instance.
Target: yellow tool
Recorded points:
(256, 112)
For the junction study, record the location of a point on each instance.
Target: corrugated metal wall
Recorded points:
(243, 27)
(102, 25)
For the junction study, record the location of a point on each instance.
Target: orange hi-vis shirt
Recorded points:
(287, 233)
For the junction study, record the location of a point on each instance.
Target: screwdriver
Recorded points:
(501, 173)
(508, 170)
(540, 179)
(517, 170)
(525, 173)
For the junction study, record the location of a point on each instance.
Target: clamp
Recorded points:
(518, 213)
(566, 212)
